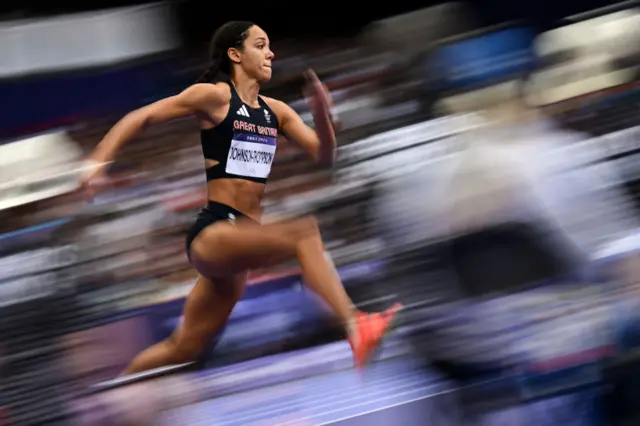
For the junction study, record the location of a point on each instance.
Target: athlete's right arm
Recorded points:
(199, 98)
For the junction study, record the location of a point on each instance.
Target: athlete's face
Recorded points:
(256, 56)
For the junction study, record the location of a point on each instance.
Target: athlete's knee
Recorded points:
(310, 224)
(304, 228)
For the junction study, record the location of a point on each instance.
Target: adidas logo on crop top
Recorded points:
(243, 144)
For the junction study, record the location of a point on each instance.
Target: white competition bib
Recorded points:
(251, 155)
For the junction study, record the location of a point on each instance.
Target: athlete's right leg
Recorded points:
(247, 245)
(205, 312)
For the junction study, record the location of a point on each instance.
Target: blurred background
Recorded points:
(486, 178)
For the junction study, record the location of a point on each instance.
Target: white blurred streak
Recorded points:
(592, 47)
(87, 39)
(397, 139)
(37, 168)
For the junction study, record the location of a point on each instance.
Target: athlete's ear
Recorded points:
(234, 55)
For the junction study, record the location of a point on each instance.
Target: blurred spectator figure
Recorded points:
(518, 203)
(519, 167)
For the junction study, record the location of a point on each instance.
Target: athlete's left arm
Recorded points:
(319, 144)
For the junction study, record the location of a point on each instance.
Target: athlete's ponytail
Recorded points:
(231, 34)
(211, 74)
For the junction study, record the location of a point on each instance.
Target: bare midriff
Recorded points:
(243, 195)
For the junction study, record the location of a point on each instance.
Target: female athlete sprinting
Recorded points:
(239, 131)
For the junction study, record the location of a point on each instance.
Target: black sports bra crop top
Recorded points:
(243, 144)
